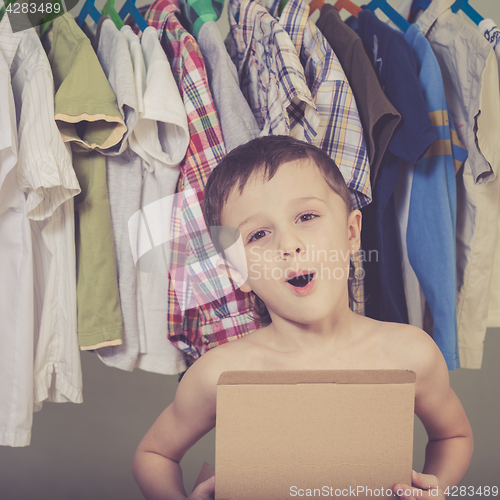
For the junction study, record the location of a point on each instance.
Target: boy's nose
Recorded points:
(287, 254)
(289, 243)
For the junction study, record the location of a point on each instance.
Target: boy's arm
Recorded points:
(449, 449)
(192, 414)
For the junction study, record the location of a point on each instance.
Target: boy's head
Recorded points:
(280, 193)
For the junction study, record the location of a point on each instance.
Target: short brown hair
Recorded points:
(266, 155)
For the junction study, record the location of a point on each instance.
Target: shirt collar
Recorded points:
(436, 9)
(159, 11)
(11, 38)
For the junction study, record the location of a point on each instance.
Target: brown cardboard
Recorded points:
(326, 433)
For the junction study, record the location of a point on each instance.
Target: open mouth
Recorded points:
(301, 281)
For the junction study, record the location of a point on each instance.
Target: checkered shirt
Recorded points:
(271, 76)
(198, 328)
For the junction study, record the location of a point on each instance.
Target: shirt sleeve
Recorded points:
(45, 170)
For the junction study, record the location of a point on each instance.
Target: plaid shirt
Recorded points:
(340, 133)
(193, 329)
(271, 76)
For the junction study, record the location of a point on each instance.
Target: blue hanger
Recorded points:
(88, 9)
(130, 8)
(420, 4)
(464, 6)
(389, 11)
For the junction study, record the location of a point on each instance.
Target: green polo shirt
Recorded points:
(89, 120)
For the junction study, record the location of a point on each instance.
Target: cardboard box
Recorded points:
(337, 434)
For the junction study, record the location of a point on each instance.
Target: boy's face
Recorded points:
(295, 224)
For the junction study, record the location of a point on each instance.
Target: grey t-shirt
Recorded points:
(236, 118)
(124, 177)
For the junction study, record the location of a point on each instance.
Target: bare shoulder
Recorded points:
(410, 348)
(206, 370)
(406, 347)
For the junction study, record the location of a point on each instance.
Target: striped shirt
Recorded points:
(39, 327)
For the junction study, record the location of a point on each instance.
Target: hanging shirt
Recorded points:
(164, 109)
(492, 34)
(135, 223)
(378, 116)
(89, 119)
(271, 75)
(46, 175)
(470, 76)
(44, 360)
(16, 289)
(215, 321)
(339, 132)
(146, 347)
(124, 181)
(149, 227)
(430, 226)
(396, 69)
(236, 118)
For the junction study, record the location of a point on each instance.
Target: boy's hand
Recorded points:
(205, 491)
(423, 486)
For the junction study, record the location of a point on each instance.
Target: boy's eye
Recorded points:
(257, 236)
(307, 217)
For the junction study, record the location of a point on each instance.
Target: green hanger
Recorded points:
(109, 10)
(282, 7)
(3, 10)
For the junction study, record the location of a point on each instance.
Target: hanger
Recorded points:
(315, 5)
(130, 8)
(109, 10)
(389, 11)
(3, 10)
(88, 9)
(351, 7)
(420, 4)
(281, 7)
(464, 6)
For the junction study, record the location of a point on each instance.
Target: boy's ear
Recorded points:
(354, 231)
(233, 274)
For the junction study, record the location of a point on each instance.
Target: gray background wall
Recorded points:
(84, 451)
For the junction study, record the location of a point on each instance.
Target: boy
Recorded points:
(291, 205)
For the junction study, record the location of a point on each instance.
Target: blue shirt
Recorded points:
(396, 68)
(433, 205)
